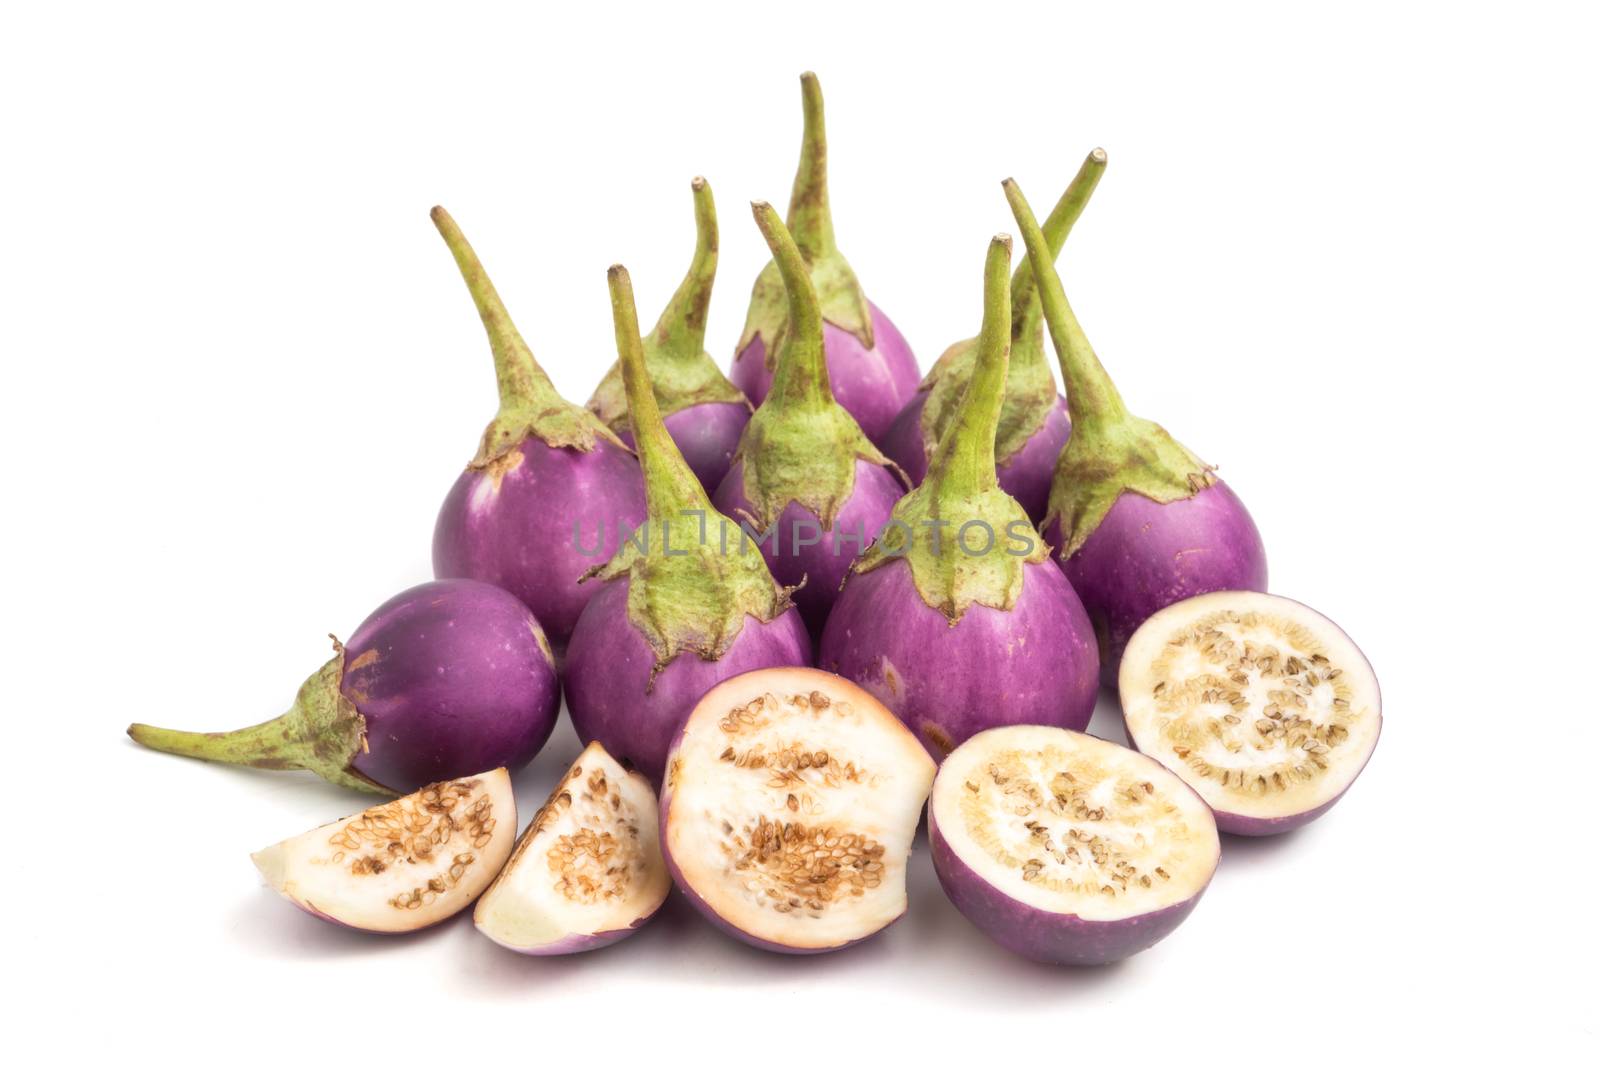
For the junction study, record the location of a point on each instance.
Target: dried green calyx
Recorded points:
(323, 733)
(682, 373)
(1111, 450)
(529, 403)
(964, 538)
(839, 295)
(800, 445)
(1030, 387)
(691, 580)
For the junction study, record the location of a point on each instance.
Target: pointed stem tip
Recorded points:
(670, 486)
(520, 378)
(1090, 392)
(810, 218)
(802, 372)
(680, 332)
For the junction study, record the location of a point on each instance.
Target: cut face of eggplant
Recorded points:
(1264, 706)
(1066, 848)
(790, 804)
(587, 871)
(403, 865)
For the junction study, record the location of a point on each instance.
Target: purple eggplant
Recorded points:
(805, 477)
(705, 413)
(1034, 424)
(551, 491)
(1137, 520)
(684, 604)
(445, 680)
(870, 364)
(956, 618)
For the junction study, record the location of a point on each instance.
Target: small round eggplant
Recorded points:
(551, 491)
(687, 604)
(1065, 848)
(1137, 520)
(815, 490)
(704, 412)
(445, 680)
(956, 618)
(870, 364)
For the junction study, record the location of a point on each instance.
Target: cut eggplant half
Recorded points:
(790, 804)
(403, 865)
(1065, 848)
(1266, 707)
(587, 871)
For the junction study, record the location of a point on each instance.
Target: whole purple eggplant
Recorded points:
(1137, 520)
(1033, 418)
(550, 488)
(871, 366)
(704, 412)
(956, 618)
(685, 604)
(805, 477)
(445, 680)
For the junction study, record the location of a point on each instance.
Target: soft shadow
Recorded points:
(267, 924)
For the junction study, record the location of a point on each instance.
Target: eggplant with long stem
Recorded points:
(1034, 424)
(704, 412)
(873, 371)
(956, 618)
(1136, 519)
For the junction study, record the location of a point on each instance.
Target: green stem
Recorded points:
(680, 333)
(809, 216)
(522, 381)
(801, 378)
(670, 486)
(964, 462)
(1025, 312)
(1091, 396)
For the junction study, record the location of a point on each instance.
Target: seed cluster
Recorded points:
(796, 865)
(1304, 703)
(1072, 826)
(600, 859)
(416, 830)
(802, 869)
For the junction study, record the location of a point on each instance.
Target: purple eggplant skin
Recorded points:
(573, 944)
(823, 565)
(1144, 556)
(535, 527)
(707, 435)
(718, 921)
(613, 699)
(1035, 664)
(1025, 476)
(454, 678)
(872, 384)
(1043, 936)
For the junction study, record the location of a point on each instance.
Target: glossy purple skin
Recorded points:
(710, 913)
(1035, 664)
(823, 565)
(707, 435)
(1144, 556)
(1044, 936)
(454, 679)
(612, 699)
(872, 384)
(1025, 476)
(521, 536)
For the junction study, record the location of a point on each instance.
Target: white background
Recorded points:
(1349, 255)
